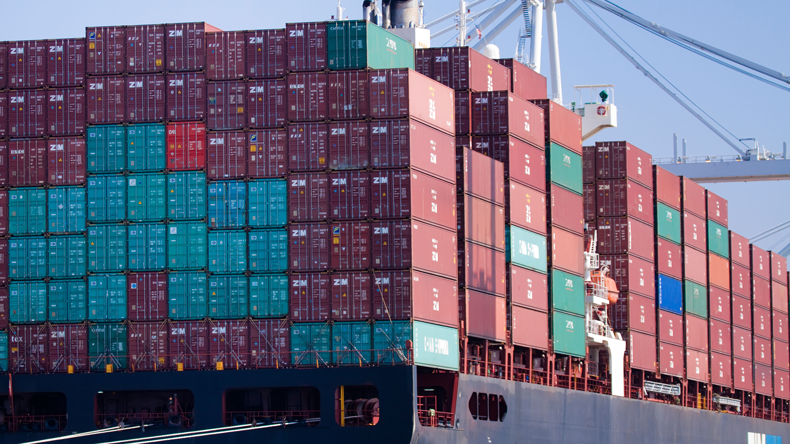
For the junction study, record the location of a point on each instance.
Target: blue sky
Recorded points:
(647, 117)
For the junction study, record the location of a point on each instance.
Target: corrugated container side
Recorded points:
(186, 96)
(229, 344)
(392, 241)
(763, 380)
(66, 210)
(310, 297)
(306, 46)
(351, 296)
(400, 194)
(186, 195)
(66, 161)
(781, 355)
(634, 312)
(695, 266)
(762, 351)
(228, 297)
(270, 343)
(742, 342)
(351, 246)
(463, 114)
(147, 245)
(742, 312)
(186, 50)
(268, 203)
(502, 113)
(266, 53)
(147, 298)
(269, 296)
(409, 143)
(3, 108)
(779, 297)
(145, 48)
(268, 250)
(267, 103)
(308, 146)
(268, 153)
(760, 262)
(670, 327)
(186, 246)
(743, 374)
(525, 82)
(308, 97)
(106, 50)
(761, 322)
(106, 98)
(693, 197)
(668, 259)
(349, 195)
(524, 163)
(3, 84)
(642, 351)
(721, 369)
(27, 64)
(395, 296)
(106, 149)
(67, 347)
(717, 208)
(695, 299)
(226, 105)
(308, 197)
(187, 296)
(567, 334)
(145, 98)
(27, 162)
(631, 274)
(778, 268)
(66, 256)
(718, 271)
(525, 207)
(781, 380)
(697, 364)
(67, 301)
(146, 196)
(358, 44)
(559, 243)
(565, 168)
(66, 112)
(624, 197)
(4, 210)
(590, 208)
(227, 251)
(530, 328)
(27, 211)
(779, 322)
(720, 337)
(483, 268)
(188, 345)
(463, 69)
(27, 302)
(566, 209)
(668, 223)
(739, 249)
(670, 294)
(225, 55)
(481, 222)
(666, 187)
(227, 204)
(567, 292)
(107, 298)
(227, 155)
(485, 315)
(620, 160)
(27, 351)
(4, 314)
(27, 258)
(718, 239)
(563, 126)
(526, 249)
(347, 95)
(27, 113)
(186, 146)
(480, 176)
(694, 231)
(761, 291)
(148, 345)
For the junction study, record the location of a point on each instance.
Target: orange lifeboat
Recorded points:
(608, 283)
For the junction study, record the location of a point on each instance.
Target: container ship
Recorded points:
(322, 234)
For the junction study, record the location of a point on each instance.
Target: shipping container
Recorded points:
(267, 103)
(269, 296)
(666, 187)
(631, 274)
(670, 327)
(718, 239)
(762, 351)
(351, 342)
(106, 50)
(66, 112)
(27, 163)
(721, 369)
(266, 53)
(524, 163)
(268, 156)
(27, 64)
(568, 334)
(761, 322)
(4, 312)
(781, 355)
(761, 291)
(310, 297)
(225, 55)
(503, 113)
(351, 246)
(188, 345)
(742, 342)
(27, 350)
(720, 337)
(28, 302)
(106, 149)
(228, 297)
(186, 146)
(694, 231)
(146, 196)
(349, 195)
(227, 251)
(308, 146)
(763, 380)
(66, 211)
(481, 222)
(529, 328)
(186, 49)
(186, 97)
(565, 250)
(148, 345)
(347, 95)
(670, 294)
(67, 348)
(349, 147)
(779, 297)
(226, 105)
(145, 98)
(527, 288)
(4, 211)
(567, 292)
(668, 223)
(27, 211)
(624, 197)
(270, 343)
(227, 155)
(621, 160)
(411, 144)
(268, 250)
(67, 301)
(229, 344)
(693, 197)
(781, 388)
(434, 346)
(3, 85)
(106, 98)
(760, 262)
(462, 68)
(695, 299)
(695, 266)
(463, 115)
(3, 106)
(642, 351)
(358, 44)
(186, 246)
(147, 245)
(186, 195)
(668, 259)
(145, 48)
(716, 208)
(147, 298)
(526, 249)
(778, 268)
(400, 194)
(407, 295)
(718, 271)
(588, 165)
(67, 256)
(565, 168)
(485, 315)
(398, 93)
(634, 312)
(739, 249)
(742, 312)
(187, 296)
(268, 203)
(107, 298)
(742, 374)
(306, 46)
(27, 258)
(697, 364)
(309, 248)
(66, 161)
(525, 82)
(311, 344)
(482, 268)
(525, 207)
(27, 113)
(308, 97)
(779, 322)
(563, 126)
(227, 204)
(566, 210)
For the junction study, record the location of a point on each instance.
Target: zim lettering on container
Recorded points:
(266, 53)
(66, 112)
(186, 96)
(267, 103)
(106, 97)
(65, 62)
(186, 50)
(66, 163)
(402, 144)
(227, 155)
(145, 98)
(27, 114)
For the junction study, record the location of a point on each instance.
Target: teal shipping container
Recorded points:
(107, 344)
(269, 295)
(268, 203)
(67, 257)
(3, 351)
(568, 335)
(695, 298)
(146, 197)
(107, 248)
(186, 195)
(434, 346)
(106, 198)
(187, 246)
(525, 248)
(27, 302)
(567, 292)
(668, 223)
(106, 297)
(311, 343)
(227, 251)
(564, 168)
(27, 258)
(268, 250)
(68, 301)
(187, 298)
(227, 297)
(106, 146)
(27, 211)
(358, 44)
(145, 147)
(719, 239)
(227, 204)
(147, 245)
(66, 210)
(351, 343)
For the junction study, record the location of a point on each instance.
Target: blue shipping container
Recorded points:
(106, 198)
(186, 246)
(67, 301)
(227, 204)
(27, 258)
(227, 297)
(107, 297)
(106, 248)
(227, 252)
(670, 294)
(311, 344)
(27, 211)
(186, 195)
(268, 205)
(351, 343)
(106, 148)
(146, 197)
(145, 147)
(27, 302)
(268, 250)
(66, 212)
(3, 351)
(187, 296)
(269, 295)
(147, 247)
(66, 257)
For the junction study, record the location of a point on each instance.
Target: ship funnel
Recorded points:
(404, 13)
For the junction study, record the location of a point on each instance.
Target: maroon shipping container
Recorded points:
(186, 146)
(742, 342)
(400, 194)
(225, 55)
(481, 222)
(186, 49)
(634, 312)
(742, 312)
(270, 343)
(695, 266)
(415, 295)
(778, 297)
(308, 197)
(760, 262)
(524, 163)
(778, 268)
(27, 162)
(482, 269)
(27, 113)
(720, 337)
(666, 187)
(621, 160)
(696, 333)
(486, 316)
(619, 235)
(525, 207)
(27, 67)
(308, 97)
(4, 295)
(145, 48)
(562, 248)
(308, 146)
(463, 141)
(671, 359)
(4, 257)
(742, 374)
(27, 349)
(631, 274)
(462, 68)
(4, 166)
(763, 380)
(310, 297)
(779, 322)
(66, 112)
(309, 247)
(268, 153)
(529, 328)
(761, 322)
(392, 247)
(226, 105)
(148, 345)
(562, 126)
(348, 145)
(186, 96)
(3, 112)
(307, 46)
(67, 347)
(229, 344)
(3, 65)
(697, 365)
(147, 296)
(718, 271)
(527, 288)
(66, 62)
(145, 98)
(739, 249)
(781, 384)
(670, 327)
(668, 259)
(762, 350)
(188, 345)
(266, 50)
(590, 210)
(351, 249)
(623, 197)
(717, 208)
(566, 210)
(693, 197)
(480, 176)
(720, 302)
(401, 144)
(106, 97)
(740, 280)
(106, 50)
(348, 95)
(226, 157)
(524, 82)
(721, 369)
(781, 355)
(66, 161)
(267, 103)
(641, 351)
(463, 113)
(397, 93)
(351, 296)
(761, 292)
(588, 164)
(502, 113)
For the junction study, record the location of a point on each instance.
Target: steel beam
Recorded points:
(721, 172)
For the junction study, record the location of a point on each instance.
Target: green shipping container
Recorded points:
(106, 198)
(268, 203)
(66, 210)
(106, 248)
(68, 301)
(564, 168)
(27, 211)
(107, 345)
(227, 297)
(525, 248)
(227, 251)
(27, 302)
(567, 292)
(434, 346)
(268, 251)
(145, 147)
(186, 195)
(3, 351)
(311, 343)
(668, 223)
(227, 204)
(718, 239)
(147, 244)
(27, 258)
(107, 297)
(67, 256)
(567, 332)
(186, 246)
(696, 299)
(269, 295)
(187, 296)
(106, 149)
(351, 343)
(358, 44)
(146, 196)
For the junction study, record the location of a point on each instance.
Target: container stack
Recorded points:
(761, 323)
(719, 292)
(779, 320)
(741, 291)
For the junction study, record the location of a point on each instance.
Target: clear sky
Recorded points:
(647, 117)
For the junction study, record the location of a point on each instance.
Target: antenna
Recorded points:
(340, 11)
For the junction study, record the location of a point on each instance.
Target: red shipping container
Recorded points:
(718, 271)
(529, 328)
(225, 52)
(742, 312)
(4, 258)
(27, 349)
(147, 296)
(481, 222)
(566, 210)
(350, 246)
(348, 145)
(4, 308)
(623, 197)
(620, 235)
(621, 160)
(106, 97)
(66, 112)
(229, 343)
(781, 355)
(308, 97)
(145, 48)
(670, 327)
(4, 166)
(562, 242)
(27, 162)
(400, 194)
(480, 176)
(3, 112)
(696, 333)
(145, 98)
(186, 96)
(562, 126)
(402, 144)
(695, 266)
(693, 197)
(226, 105)
(666, 187)
(415, 295)
(781, 384)
(462, 69)
(779, 297)
(27, 113)
(348, 95)
(308, 146)
(717, 208)
(588, 164)
(525, 82)
(697, 365)
(66, 62)
(778, 268)
(308, 197)
(641, 351)
(270, 343)
(310, 297)
(268, 153)
(307, 46)
(27, 64)
(761, 322)
(67, 347)
(720, 302)
(392, 247)
(742, 343)
(763, 380)
(760, 262)
(671, 359)
(266, 50)
(762, 350)
(483, 269)
(227, 157)
(525, 207)
(527, 288)
(351, 296)
(634, 312)
(186, 49)
(266, 103)
(486, 316)
(588, 194)
(308, 247)
(631, 274)
(720, 337)
(463, 113)
(148, 344)
(721, 369)
(524, 163)
(502, 113)
(740, 279)
(668, 259)
(186, 146)
(3, 65)
(397, 93)
(106, 50)
(188, 345)
(66, 161)
(742, 372)
(761, 292)
(739, 249)
(779, 322)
